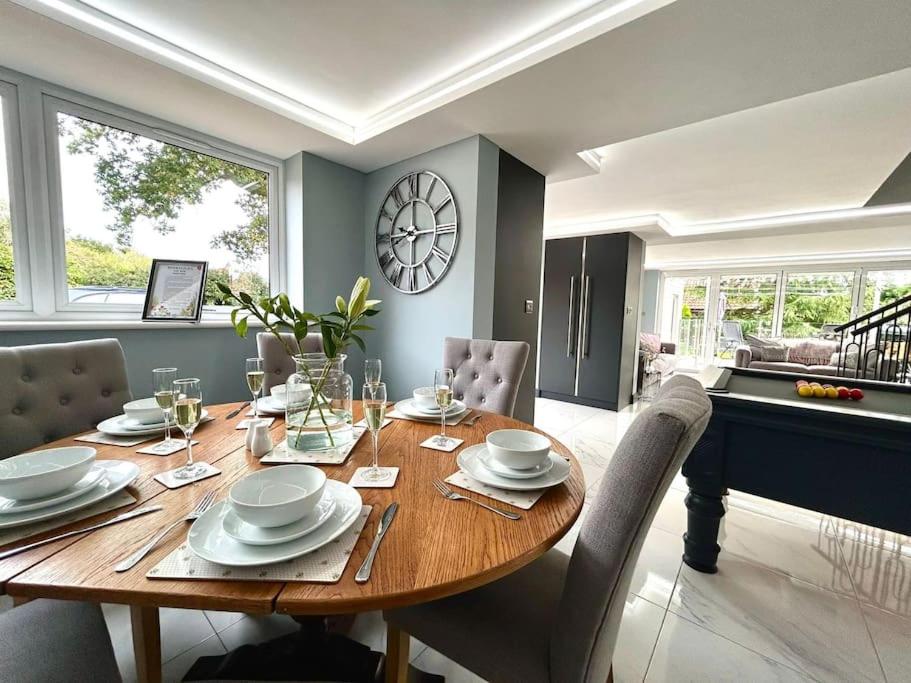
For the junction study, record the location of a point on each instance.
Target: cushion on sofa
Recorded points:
(649, 342)
(812, 351)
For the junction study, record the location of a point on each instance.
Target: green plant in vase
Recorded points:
(328, 405)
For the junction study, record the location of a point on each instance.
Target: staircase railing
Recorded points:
(877, 345)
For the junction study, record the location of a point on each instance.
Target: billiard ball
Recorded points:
(831, 392)
(843, 393)
(800, 383)
(818, 392)
(805, 390)
(856, 394)
(827, 386)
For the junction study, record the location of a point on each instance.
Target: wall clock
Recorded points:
(417, 230)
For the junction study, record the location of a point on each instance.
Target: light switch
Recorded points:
(529, 306)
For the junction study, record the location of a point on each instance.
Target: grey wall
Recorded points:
(519, 235)
(410, 331)
(649, 300)
(896, 189)
(214, 354)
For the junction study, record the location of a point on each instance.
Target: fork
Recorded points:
(472, 419)
(201, 507)
(452, 495)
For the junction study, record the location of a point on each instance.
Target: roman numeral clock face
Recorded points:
(416, 232)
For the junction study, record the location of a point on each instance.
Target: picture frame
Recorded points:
(175, 291)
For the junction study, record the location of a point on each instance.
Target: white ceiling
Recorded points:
(705, 108)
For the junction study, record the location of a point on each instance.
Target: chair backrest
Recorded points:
(278, 364)
(50, 391)
(605, 554)
(731, 329)
(486, 373)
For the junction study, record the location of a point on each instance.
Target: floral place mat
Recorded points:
(116, 501)
(325, 565)
(281, 454)
(521, 499)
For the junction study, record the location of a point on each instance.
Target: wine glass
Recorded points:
(187, 413)
(163, 379)
(255, 376)
(442, 389)
(373, 370)
(374, 415)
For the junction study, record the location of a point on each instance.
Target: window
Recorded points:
(813, 300)
(127, 197)
(9, 291)
(882, 287)
(746, 305)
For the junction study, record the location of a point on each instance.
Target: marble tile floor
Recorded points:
(799, 596)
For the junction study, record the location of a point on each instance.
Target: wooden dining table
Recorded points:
(435, 547)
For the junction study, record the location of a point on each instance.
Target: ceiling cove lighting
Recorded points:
(519, 52)
(122, 34)
(806, 259)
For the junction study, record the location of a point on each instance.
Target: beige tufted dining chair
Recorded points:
(557, 618)
(277, 362)
(53, 390)
(486, 373)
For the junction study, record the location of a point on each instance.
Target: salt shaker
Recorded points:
(261, 441)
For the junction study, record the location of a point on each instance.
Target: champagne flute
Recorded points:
(163, 379)
(255, 376)
(374, 415)
(442, 389)
(187, 413)
(373, 370)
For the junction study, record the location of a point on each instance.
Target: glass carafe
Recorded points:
(318, 403)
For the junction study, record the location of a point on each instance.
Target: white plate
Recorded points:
(494, 466)
(239, 530)
(207, 537)
(269, 406)
(133, 426)
(8, 506)
(471, 464)
(407, 407)
(119, 426)
(118, 474)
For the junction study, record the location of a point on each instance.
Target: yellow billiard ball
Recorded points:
(831, 392)
(819, 392)
(805, 390)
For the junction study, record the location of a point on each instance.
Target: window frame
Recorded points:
(15, 169)
(53, 104)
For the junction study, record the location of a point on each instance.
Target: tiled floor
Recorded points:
(798, 597)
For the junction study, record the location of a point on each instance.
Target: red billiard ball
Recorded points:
(843, 392)
(856, 394)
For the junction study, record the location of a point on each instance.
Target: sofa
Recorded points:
(745, 357)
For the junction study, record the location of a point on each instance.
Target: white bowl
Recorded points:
(425, 398)
(517, 448)
(277, 496)
(280, 394)
(44, 473)
(144, 411)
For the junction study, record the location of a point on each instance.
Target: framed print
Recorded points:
(175, 291)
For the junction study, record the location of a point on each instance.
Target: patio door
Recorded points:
(684, 308)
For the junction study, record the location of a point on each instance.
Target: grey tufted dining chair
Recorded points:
(53, 390)
(486, 373)
(556, 619)
(276, 360)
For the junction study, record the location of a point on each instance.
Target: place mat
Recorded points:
(521, 499)
(450, 421)
(281, 454)
(111, 440)
(161, 448)
(451, 444)
(359, 482)
(118, 500)
(324, 565)
(168, 479)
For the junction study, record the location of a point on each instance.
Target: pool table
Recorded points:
(850, 459)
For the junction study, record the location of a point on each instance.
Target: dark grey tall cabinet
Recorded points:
(590, 319)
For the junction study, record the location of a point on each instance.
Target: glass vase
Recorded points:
(318, 403)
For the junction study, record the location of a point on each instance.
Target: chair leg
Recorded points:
(397, 642)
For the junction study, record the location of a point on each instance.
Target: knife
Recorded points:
(119, 518)
(363, 574)
(235, 413)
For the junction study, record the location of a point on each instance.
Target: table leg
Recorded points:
(705, 508)
(397, 642)
(146, 643)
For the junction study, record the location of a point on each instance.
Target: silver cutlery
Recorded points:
(471, 420)
(115, 520)
(235, 413)
(363, 574)
(452, 495)
(201, 507)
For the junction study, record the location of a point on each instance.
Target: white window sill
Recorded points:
(52, 324)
